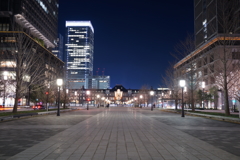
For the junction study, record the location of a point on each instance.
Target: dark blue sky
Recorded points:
(133, 38)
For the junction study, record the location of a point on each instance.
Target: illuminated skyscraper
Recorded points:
(79, 52)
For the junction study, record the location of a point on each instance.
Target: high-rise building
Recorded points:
(58, 50)
(208, 20)
(217, 49)
(100, 82)
(79, 52)
(40, 17)
(28, 32)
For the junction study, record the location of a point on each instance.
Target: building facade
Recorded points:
(28, 32)
(119, 95)
(209, 22)
(217, 46)
(79, 51)
(58, 50)
(100, 82)
(38, 16)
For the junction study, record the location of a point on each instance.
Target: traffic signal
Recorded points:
(46, 93)
(88, 99)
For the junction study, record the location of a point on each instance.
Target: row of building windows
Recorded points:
(4, 27)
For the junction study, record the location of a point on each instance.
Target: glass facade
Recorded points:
(79, 51)
(100, 82)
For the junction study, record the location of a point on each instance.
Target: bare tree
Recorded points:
(226, 49)
(27, 59)
(170, 81)
(145, 92)
(184, 49)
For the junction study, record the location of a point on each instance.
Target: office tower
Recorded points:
(28, 33)
(58, 50)
(208, 19)
(79, 51)
(100, 82)
(40, 17)
(217, 51)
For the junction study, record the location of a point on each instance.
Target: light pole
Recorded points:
(66, 98)
(103, 98)
(5, 81)
(75, 93)
(98, 101)
(203, 86)
(182, 84)
(151, 94)
(135, 102)
(162, 99)
(47, 93)
(141, 100)
(88, 93)
(59, 83)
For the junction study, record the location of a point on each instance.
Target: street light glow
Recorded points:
(182, 83)
(203, 84)
(59, 82)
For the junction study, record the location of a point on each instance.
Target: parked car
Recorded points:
(37, 107)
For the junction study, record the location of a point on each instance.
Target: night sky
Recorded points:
(133, 38)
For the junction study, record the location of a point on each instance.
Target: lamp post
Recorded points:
(203, 86)
(151, 94)
(75, 93)
(59, 83)
(141, 100)
(103, 98)
(182, 84)
(88, 93)
(66, 97)
(47, 93)
(98, 101)
(162, 99)
(135, 102)
(5, 81)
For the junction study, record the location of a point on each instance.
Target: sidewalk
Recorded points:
(122, 133)
(216, 117)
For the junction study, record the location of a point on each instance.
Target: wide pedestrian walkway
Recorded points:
(123, 134)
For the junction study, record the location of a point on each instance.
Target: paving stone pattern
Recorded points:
(123, 133)
(20, 134)
(221, 134)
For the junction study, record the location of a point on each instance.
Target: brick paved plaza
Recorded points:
(118, 133)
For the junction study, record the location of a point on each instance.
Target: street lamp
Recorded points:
(88, 93)
(135, 102)
(182, 84)
(203, 86)
(59, 83)
(141, 100)
(47, 93)
(162, 99)
(98, 101)
(5, 81)
(75, 97)
(103, 99)
(152, 93)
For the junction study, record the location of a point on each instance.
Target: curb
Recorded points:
(7, 118)
(219, 118)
